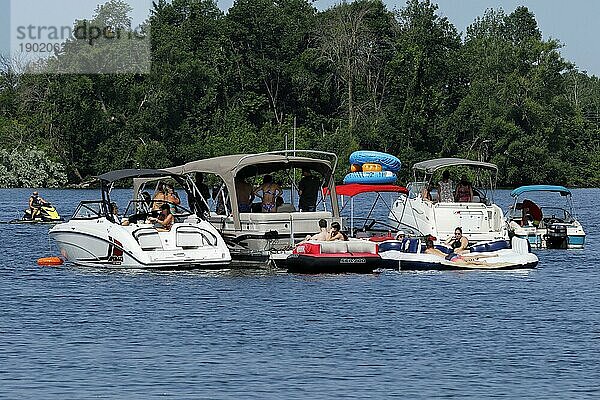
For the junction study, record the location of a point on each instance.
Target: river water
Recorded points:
(80, 333)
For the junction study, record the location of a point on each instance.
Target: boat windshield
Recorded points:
(91, 210)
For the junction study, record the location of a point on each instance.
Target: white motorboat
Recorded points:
(256, 238)
(409, 254)
(480, 219)
(97, 237)
(545, 226)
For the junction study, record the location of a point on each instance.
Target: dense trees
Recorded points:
(353, 76)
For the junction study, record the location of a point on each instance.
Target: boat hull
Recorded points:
(102, 244)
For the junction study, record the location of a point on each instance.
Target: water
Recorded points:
(81, 333)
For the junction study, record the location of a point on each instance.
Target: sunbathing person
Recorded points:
(454, 257)
(323, 234)
(458, 242)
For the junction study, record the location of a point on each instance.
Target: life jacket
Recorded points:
(35, 201)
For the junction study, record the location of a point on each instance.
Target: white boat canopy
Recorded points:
(430, 166)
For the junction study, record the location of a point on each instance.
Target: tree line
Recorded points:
(354, 76)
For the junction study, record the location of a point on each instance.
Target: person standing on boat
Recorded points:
(35, 204)
(268, 192)
(464, 191)
(308, 188)
(245, 195)
(160, 196)
(445, 188)
(458, 242)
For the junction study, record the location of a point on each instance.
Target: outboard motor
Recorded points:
(556, 238)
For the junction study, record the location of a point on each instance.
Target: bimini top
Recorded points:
(430, 166)
(113, 176)
(247, 165)
(540, 188)
(354, 189)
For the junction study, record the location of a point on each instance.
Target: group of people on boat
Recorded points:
(269, 193)
(447, 192)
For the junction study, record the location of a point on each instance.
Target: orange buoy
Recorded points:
(50, 261)
(355, 168)
(372, 167)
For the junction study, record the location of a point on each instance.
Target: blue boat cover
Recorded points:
(540, 188)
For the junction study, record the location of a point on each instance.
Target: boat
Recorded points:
(318, 257)
(480, 219)
(97, 237)
(47, 215)
(258, 239)
(408, 254)
(544, 226)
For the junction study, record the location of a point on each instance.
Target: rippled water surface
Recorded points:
(79, 333)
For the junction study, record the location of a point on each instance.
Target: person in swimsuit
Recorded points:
(457, 258)
(464, 191)
(268, 193)
(445, 192)
(335, 233)
(160, 196)
(165, 219)
(244, 194)
(458, 242)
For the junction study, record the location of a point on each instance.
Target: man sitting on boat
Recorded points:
(165, 219)
(323, 234)
(336, 233)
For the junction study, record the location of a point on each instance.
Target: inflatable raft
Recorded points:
(315, 257)
(408, 255)
(371, 178)
(387, 161)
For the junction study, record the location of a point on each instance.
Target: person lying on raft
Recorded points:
(454, 257)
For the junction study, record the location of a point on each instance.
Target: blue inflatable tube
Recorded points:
(371, 178)
(388, 162)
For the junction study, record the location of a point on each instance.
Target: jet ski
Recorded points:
(47, 215)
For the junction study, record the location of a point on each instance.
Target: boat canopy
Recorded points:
(248, 165)
(540, 188)
(235, 167)
(430, 166)
(113, 176)
(354, 189)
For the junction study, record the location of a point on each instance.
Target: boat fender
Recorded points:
(50, 261)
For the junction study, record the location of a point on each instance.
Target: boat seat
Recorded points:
(361, 246)
(148, 239)
(412, 246)
(334, 247)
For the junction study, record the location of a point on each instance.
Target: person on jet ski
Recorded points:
(35, 204)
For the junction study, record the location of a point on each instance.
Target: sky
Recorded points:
(574, 23)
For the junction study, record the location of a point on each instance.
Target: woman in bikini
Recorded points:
(268, 193)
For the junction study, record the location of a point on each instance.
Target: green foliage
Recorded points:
(354, 76)
(30, 167)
